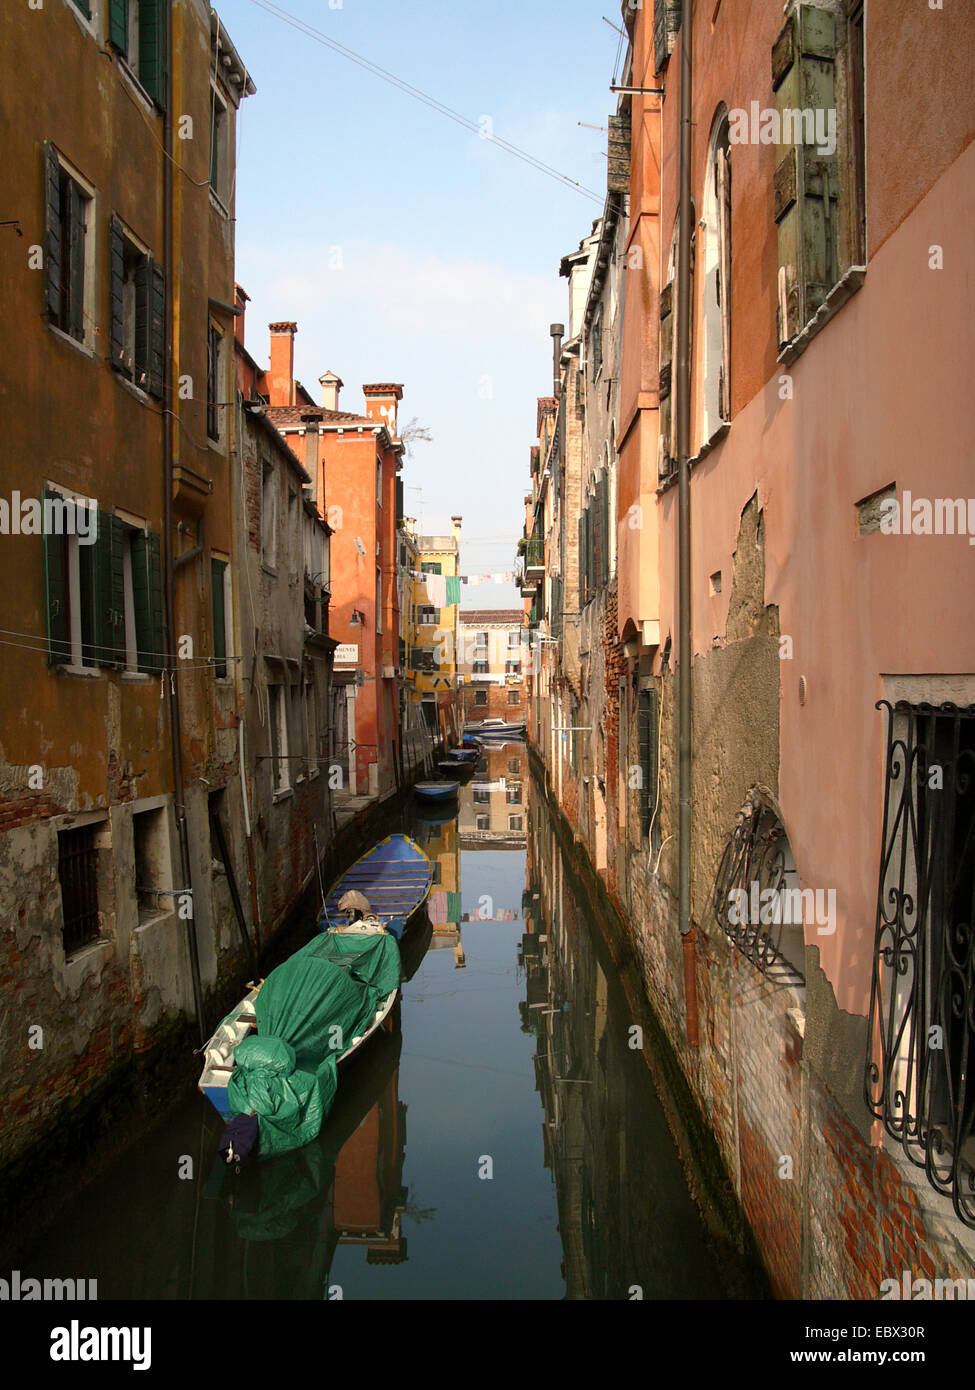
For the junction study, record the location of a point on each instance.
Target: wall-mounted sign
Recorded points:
(347, 654)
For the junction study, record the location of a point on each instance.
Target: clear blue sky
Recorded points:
(449, 247)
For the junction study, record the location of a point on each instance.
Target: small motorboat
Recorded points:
(496, 730)
(453, 767)
(462, 755)
(436, 791)
(394, 877)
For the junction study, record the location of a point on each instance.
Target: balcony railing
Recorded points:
(534, 556)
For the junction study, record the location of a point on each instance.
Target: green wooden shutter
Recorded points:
(109, 593)
(147, 593)
(157, 328)
(52, 232)
(152, 49)
(76, 305)
(56, 594)
(648, 718)
(140, 373)
(582, 560)
(806, 189)
(217, 570)
(118, 25)
(116, 278)
(84, 7)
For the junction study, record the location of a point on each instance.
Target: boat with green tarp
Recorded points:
(275, 1057)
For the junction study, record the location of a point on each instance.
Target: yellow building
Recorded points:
(437, 606)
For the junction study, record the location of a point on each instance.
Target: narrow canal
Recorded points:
(505, 1141)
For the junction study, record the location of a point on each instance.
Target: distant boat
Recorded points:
(495, 730)
(462, 755)
(436, 791)
(394, 876)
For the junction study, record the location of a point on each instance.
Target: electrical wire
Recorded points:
(418, 94)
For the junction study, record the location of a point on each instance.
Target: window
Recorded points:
(514, 640)
(597, 342)
(482, 796)
(216, 375)
(103, 589)
(294, 540)
(137, 30)
(220, 161)
(666, 26)
(918, 1081)
(220, 598)
(430, 567)
(379, 483)
(648, 726)
(512, 794)
(69, 248)
(278, 729)
(514, 823)
(480, 697)
(311, 728)
(481, 641)
(819, 195)
(269, 517)
(425, 615)
(716, 332)
(379, 601)
(151, 868)
(137, 311)
(480, 668)
(512, 668)
(514, 697)
(514, 765)
(482, 822)
(78, 876)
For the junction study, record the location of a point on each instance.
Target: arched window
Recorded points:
(716, 309)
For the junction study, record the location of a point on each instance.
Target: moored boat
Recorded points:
(436, 791)
(394, 876)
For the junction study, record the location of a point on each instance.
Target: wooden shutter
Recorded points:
(52, 232)
(116, 279)
(666, 26)
(152, 49)
(649, 711)
(56, 593)
(157, 328)
(118, 25)
(217, 569)
(147, 593)
(723, 180)
(806, 190)
(76, 286)
(582, 560)
(141, 363)
(618, 180)
(109, 589)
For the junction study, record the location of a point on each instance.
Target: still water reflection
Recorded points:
(503, 1142)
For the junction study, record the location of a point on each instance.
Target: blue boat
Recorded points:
(436, 791)
(462, 755)
(394, 876)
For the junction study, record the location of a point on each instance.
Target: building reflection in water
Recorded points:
(628, 1224)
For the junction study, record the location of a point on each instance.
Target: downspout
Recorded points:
(687, 933)
(168, 562)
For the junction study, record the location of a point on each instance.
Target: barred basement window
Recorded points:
(922, 1006)
(756, 900)
(78, 875)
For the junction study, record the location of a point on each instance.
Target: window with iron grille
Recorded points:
(922, 1008)
(480, 697)
(754, 897)
(78, 875)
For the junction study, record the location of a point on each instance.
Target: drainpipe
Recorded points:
(687, 933)
(168, 560)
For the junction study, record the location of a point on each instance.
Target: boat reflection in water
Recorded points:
(282, 1220)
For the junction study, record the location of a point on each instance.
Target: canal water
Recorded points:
(504, 1142)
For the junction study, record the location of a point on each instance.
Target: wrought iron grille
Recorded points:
(78, 873)
(922, 1006)
(749, 890)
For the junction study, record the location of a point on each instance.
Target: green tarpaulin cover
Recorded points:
(309, 1011)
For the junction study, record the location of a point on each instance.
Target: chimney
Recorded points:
(455, 529)
(381, 401)
(241, 300)
(557, 331)
(331, 385)
(281, 375)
